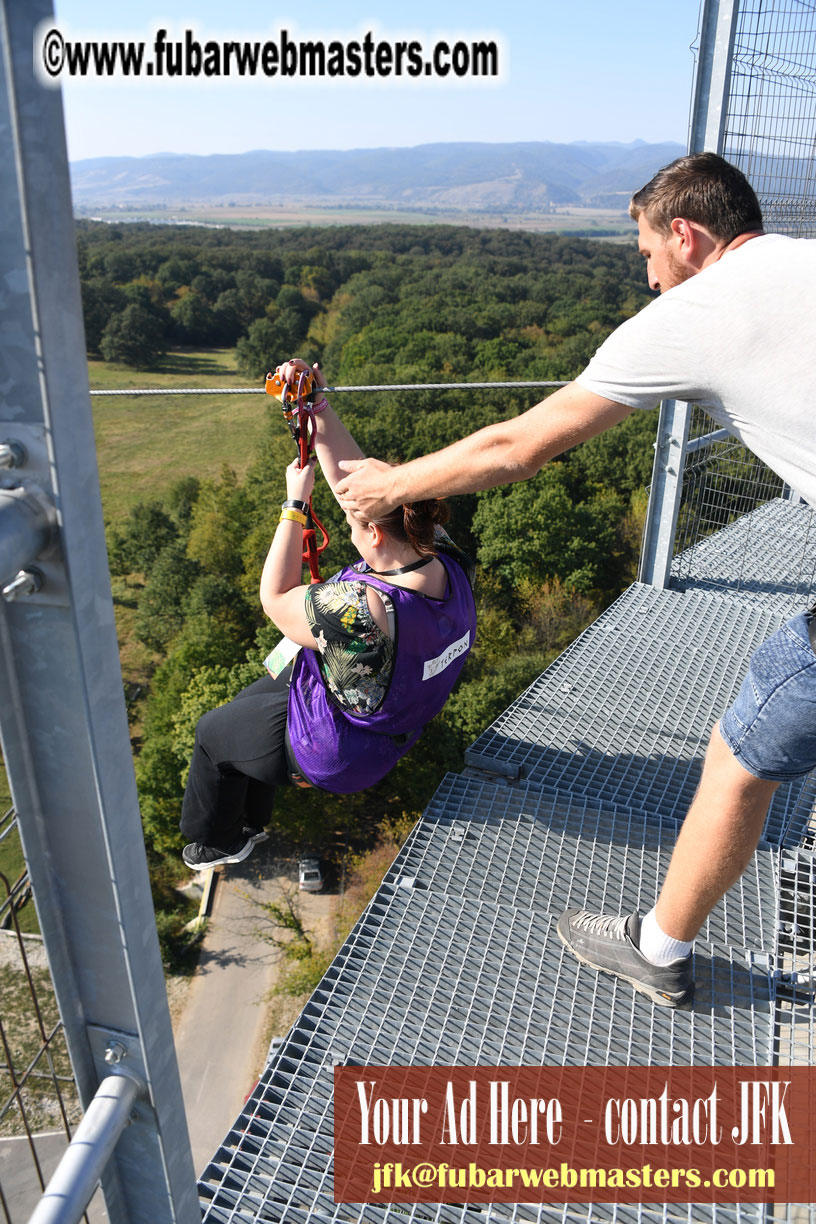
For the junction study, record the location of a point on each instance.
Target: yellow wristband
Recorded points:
(292, 516)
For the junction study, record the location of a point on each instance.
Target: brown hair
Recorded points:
(414, 524)
(702, 187)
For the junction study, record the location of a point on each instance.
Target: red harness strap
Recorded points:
(301, 421)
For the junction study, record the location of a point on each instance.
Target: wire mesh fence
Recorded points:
(771, 115)
(722, 480)
(723, 484)
(38, 1098)
(796, 949)
(770, 133)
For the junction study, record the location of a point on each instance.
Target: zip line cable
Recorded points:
(468, 386)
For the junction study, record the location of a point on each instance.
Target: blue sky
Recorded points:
(572, 70)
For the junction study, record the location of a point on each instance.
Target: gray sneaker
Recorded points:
(609, 942)
(256, 836)
(199, 857)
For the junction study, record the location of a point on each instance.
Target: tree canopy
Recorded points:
(375, 305)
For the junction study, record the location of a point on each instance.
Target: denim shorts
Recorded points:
(771, 727)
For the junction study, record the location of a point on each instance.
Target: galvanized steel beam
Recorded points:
(657, 548)
(706, 127)
(62, 711)
(709, 106)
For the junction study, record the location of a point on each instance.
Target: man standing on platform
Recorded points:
(734, 330)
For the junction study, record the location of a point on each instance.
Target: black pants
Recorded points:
(238, 759)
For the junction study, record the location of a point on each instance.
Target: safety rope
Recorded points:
(464, 386)
(302, 425)
(300, 417)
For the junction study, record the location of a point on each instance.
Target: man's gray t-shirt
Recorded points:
(738, 338)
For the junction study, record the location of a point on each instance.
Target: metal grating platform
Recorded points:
(624, 714)
(474, 835)
(456, 962)
(767, 557)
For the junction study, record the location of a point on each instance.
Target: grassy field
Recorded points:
(5, 794)
(11, 857)
(146, 443)
(268, 216)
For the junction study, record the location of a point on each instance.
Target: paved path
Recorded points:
(222, 1034)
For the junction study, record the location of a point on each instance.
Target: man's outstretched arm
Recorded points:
(498, 454)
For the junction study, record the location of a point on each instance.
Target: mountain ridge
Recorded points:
(454, 175)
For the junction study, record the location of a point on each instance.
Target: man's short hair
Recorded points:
(701, 187)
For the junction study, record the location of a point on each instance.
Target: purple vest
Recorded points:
(344, 752)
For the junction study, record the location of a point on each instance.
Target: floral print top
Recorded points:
(356, 657)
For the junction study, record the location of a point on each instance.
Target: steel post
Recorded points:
(712, 81)
(62, 712)
(664, 500)
(718, 23)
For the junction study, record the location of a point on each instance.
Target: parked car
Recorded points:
(310, 876)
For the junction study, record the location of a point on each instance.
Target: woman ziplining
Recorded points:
(377, 650)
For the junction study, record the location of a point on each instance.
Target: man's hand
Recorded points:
(510, 450)
(368, 490)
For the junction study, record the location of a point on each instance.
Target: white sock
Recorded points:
(658, 947)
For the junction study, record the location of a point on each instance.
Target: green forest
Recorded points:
(375, 305)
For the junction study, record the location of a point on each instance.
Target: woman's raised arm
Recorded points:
(333, 442)
(283, 596)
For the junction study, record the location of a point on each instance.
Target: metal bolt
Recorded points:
(12, 454)
(115, 1052)
(26, 582)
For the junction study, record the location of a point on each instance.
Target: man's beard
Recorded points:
(678, 270)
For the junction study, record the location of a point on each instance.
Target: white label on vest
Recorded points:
(434, 666)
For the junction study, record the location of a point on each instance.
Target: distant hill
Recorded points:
(473, 177)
